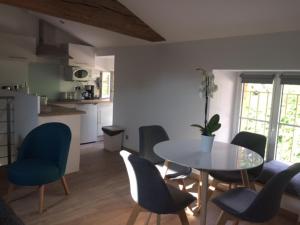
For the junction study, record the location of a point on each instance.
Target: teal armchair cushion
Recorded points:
(43, 155)
(32, 172)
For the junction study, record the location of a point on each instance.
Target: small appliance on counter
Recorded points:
(44, 100)
(67, 95)
(17, 88)
(88, 92)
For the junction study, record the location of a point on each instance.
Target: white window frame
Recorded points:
(274, 117)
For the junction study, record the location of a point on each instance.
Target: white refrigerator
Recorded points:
(88, 130)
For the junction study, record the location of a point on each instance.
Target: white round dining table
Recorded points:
(222, 157)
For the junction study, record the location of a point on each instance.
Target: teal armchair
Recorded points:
(42, 158)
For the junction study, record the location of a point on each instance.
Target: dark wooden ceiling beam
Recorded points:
(107, 14)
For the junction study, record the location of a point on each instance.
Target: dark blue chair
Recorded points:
(42, 158)
(248, 205)
(151, 193)
(273, 167)
(252, 141)
(149, 137)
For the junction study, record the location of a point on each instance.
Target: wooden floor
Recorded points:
(99, 195)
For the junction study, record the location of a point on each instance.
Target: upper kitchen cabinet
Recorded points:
(81, 55)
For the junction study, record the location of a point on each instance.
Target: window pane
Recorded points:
(255, 126)
(256, 108)
(106, 84)
(257, 100)
(288, 140)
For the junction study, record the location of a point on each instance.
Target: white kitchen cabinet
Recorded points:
(105, 116)
(81, 55)
(88, 131)
(73, 122)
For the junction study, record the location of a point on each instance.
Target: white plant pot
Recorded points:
(206, 143)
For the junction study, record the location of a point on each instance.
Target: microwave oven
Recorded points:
(76, 73)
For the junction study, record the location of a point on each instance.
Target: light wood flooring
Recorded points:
(99, 195)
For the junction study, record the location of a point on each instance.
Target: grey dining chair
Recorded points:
(252, 141)
(151, 193)
(152, 135)
(255, 207)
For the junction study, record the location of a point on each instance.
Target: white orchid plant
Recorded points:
(207, 88)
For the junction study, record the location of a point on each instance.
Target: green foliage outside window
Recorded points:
(106, 82)
(288, 142)
(256, 114)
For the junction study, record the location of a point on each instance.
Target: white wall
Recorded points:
(13, 72)
(105, 63)
(159, 85)
(18, 21)
(17, 47)
(224, 102)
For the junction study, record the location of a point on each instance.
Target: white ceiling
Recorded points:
(185, 20)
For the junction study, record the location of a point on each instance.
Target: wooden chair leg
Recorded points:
(214, 183)
(148, 219)
(199, 191)
(42, 198)
(236, 222)
(11, 188)
(210, 192)
(252, 186)
(183, 218)
(65, 185)
(165, 169)
(181, 182)
(223, 218)
(134, 214)
(245, 178)
(158, 219)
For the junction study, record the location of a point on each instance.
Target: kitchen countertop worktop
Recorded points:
(83, 101)
(54, 110)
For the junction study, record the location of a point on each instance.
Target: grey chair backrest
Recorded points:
(147, 187)
(150, 136)
(267, 203)
(254, 142)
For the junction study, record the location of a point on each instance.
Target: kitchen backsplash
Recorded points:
(43, 78)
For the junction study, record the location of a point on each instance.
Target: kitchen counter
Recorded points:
(91, 101)
(70, 117)
(54, 110)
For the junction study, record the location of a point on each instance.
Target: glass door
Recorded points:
(273, 110)
(288, 137)
(256, 108)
